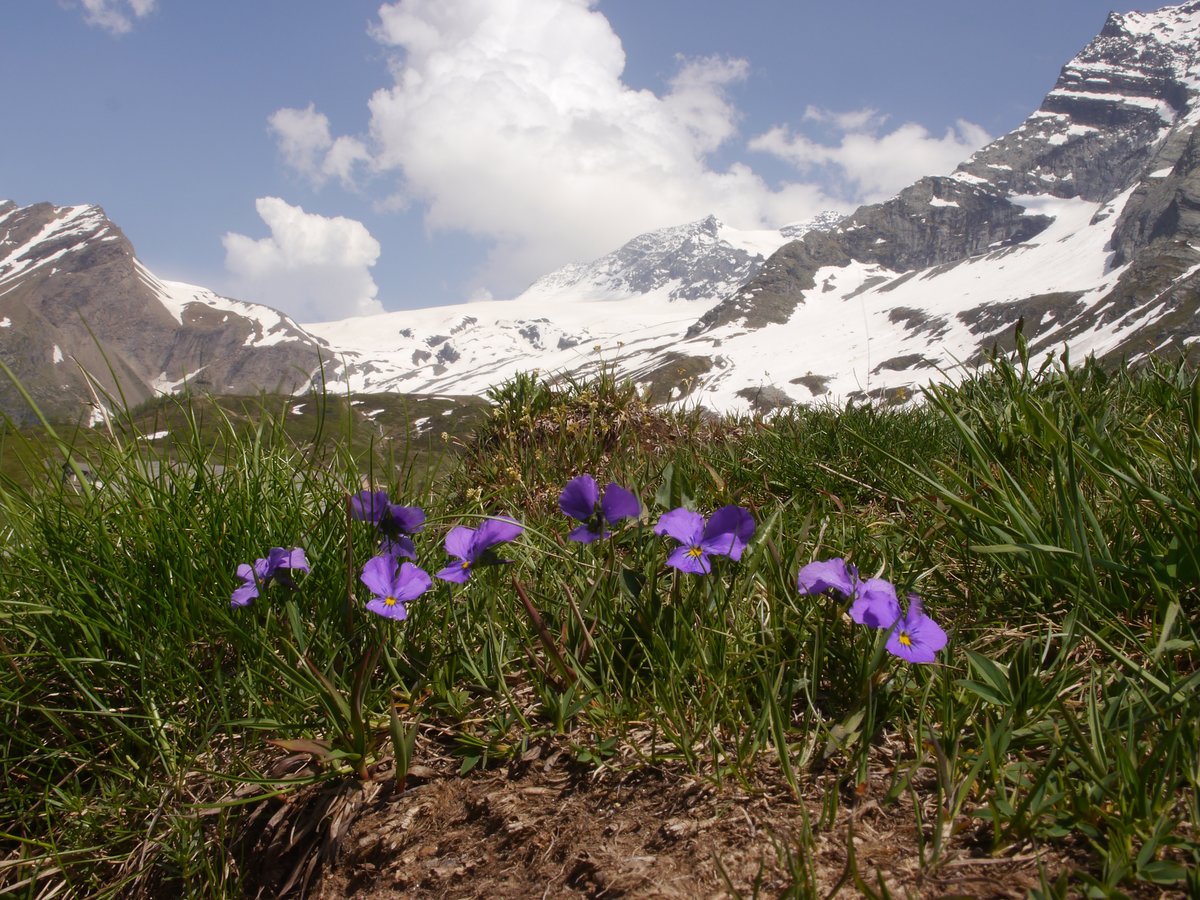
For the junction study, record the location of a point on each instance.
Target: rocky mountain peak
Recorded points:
(1108, 114)
(698, 261)
(1120, 116)
(80, 318)
(1175, 25)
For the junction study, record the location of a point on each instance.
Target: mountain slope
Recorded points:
(1082, 223)
(82, 319)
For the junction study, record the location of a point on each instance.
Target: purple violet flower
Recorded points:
(256, 578)
(473, 546)
(726, 534)
(873, 602)
(393, 585)
(398, 546)
(394, 522)
(828, 574)
(580, 499)
(914, 636)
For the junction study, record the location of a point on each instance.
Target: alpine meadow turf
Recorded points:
(1001, 577)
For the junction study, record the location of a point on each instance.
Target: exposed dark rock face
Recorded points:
(1164, 207)
(1035, 313)
(765, 398)
(770, 296)
(905, 362)
(673, 376)
(935, 221)
(917, 321)
(816, 385)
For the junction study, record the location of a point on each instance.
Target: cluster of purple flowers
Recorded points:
(725, 534)
(395, 524)
(912, 635)
(394, 583)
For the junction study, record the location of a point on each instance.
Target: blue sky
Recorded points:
(338, 157)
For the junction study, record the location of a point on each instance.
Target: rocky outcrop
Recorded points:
(1101, 127)
(770, 297)
(935, 221)
(1166, 203)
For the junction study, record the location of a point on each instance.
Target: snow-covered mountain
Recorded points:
(81, 320)
(1083, 224)
(697, 261)
(633, 303)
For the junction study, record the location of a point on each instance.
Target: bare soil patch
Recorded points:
(552, 828)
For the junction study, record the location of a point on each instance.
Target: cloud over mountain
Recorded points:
(510, 120)
(869, 162)
(314, 267)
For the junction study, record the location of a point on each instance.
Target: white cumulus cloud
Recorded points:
(116, 16)
(509, 120)
(308, 146)
(868, 162)
(314, 268)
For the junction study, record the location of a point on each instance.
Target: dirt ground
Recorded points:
(545, 826)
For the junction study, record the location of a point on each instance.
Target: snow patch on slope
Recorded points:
(467, 349)
(269, 326)
(867, 336)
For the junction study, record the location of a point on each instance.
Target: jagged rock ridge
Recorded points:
(697, 261)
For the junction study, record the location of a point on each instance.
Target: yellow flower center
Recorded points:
(466, 564)
(389, 601)
(695, 552)
(905, 640)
